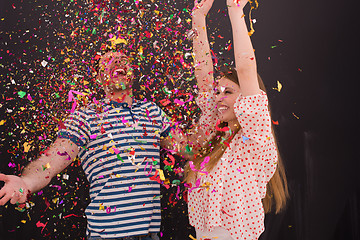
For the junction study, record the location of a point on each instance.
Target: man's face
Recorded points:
(115, 72)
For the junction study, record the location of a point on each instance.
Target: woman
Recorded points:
(229, 174)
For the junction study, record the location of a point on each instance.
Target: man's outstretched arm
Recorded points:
(38, 173)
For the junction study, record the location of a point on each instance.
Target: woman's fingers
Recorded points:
(203, 6)
(237, 3)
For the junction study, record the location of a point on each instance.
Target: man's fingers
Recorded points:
(22, 199)
(3, 177)
(5, 199)
(15, 198)
(2, 192)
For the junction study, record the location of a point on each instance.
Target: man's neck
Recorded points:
(124, 96)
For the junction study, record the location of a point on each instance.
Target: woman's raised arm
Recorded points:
(245, 61)
(203, 62)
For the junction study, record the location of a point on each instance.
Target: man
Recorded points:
(118, 141)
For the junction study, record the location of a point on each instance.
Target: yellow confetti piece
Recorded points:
(190, 236)
(2, 122)
(295, 116)
(114, 40)
(161, 174)
(279, 86)
(141, 50)
(47, 166)
(252, 30)
(27, 147)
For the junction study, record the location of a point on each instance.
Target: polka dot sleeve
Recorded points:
(206, 103)
(254, 118)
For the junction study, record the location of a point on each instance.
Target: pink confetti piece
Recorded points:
(108, 210)
(71, 95)
(95, 101)
(150, 171)
(179, 102)
(64, 154)
(197, 185)
(11, 164)
(116, 151)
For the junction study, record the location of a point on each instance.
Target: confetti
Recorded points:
(279, 86)
(21, 94)
(27, 147)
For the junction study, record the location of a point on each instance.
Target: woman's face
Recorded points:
(226, 94)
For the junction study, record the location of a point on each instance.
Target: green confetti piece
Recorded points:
(119, 157)
(188, 149)
(156, 197)
(176, 182)
(168, 168)
(21, 94)
(140, 141)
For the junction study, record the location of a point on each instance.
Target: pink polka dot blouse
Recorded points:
(230, 195)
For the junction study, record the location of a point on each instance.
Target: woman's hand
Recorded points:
(202, 8)
(236, 5)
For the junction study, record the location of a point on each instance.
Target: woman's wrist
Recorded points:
(198, 22)
(235, 12)
(198, 17)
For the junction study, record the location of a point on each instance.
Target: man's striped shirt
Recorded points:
(120, 148)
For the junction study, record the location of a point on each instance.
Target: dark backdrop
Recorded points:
(311, 48)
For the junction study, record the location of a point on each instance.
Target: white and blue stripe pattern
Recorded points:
(124, 201)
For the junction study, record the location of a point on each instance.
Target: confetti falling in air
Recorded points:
(48, 56)
(279, 86)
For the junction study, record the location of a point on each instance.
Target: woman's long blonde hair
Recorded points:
(276, 190)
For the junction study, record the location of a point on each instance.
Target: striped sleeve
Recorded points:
(77, 129)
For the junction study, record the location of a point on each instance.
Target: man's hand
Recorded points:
(15, 189)
(38, 173)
